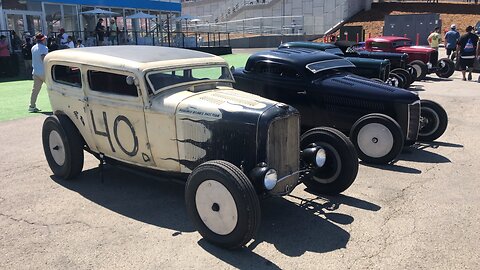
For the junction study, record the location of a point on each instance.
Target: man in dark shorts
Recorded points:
(467, 52)
(451, 40)
(100, 31)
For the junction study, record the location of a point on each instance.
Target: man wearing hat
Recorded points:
(38, 54)
(451, 39)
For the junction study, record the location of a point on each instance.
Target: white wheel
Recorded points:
(222, 203)
(57, 149)
(375, 140)
(216, 207)
(377, 137)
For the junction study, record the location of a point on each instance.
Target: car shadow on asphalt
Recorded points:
(418, 152)
(293, 226)
(429, 79)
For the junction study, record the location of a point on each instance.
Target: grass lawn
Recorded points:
(15, 95)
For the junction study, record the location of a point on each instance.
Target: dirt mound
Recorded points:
(372, 21)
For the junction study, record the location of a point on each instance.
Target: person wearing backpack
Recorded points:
(467, 52)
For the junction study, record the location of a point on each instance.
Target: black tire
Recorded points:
(395, 80)
(421, 69)
(405, 75)
(231, 184)
(378, 138)
(413, 73)
(341, 166)
(65, 158)
(433, 121)
(446, 68)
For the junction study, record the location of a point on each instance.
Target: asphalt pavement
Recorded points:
(418, 213)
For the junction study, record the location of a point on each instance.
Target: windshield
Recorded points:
(169, 78)
(402, 43)
(329, 64)
(335, 51)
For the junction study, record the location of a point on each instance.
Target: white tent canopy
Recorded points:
(141, 15)
(99, 11)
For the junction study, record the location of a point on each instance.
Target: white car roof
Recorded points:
(134, 57)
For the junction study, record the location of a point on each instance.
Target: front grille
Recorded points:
(413, 121)
(283, 147)
(384, 76)
(434, 58)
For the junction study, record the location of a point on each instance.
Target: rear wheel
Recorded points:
(421, 69)
(340, 166)
(223, 204)
(433, 121)
(63, 146)
(378, 138)
(446, 68)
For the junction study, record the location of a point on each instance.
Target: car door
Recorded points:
(116, 116)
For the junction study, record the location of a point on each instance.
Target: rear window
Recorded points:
(112, 83)
(329, 64)
(67, 75)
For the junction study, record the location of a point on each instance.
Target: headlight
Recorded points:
(320, 157)
(314, 155)
(270, 179)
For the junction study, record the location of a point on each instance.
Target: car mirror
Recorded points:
(130, 80)
(232, 68)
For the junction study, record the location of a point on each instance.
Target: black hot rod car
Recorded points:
(379, 118)
(387, 67)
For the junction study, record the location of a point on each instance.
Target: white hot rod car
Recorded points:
(174, 112)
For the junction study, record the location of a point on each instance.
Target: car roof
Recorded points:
(296, 57)
(308, 44)
(388, 39)
(132, 56)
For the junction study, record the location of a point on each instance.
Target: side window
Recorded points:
(67, 75)
(275, 69)
(380, 45)
(112, 83)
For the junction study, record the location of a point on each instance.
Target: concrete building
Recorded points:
(305, 16)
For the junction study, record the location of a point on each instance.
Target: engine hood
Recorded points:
(229, 105)
(358, 87)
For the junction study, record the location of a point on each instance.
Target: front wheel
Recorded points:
(433, 121)
(446, 68)
(377, 137)
(340, 163)
(222, 204)
(395, 80)
(405, 76)
(420, 68)
(63, 146)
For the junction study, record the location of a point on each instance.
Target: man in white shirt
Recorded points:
(63, 39)
(38, 54)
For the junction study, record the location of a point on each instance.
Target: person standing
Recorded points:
(38, 54)
(467, 51)
(63, 39)
(100, 31)
(451, 39)
(113, 32)
(27, 54)
(4, 56)
(434, 38)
